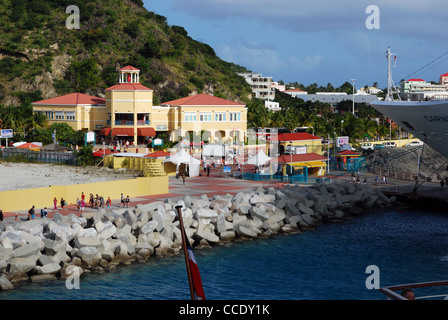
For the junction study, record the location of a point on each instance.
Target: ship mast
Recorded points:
(390, 82)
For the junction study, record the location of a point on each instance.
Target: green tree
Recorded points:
(85, 157)
(84, 74)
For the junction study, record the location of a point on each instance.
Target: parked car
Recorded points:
(367, 146)
(389, 145)
(414, 143)
(378, 146)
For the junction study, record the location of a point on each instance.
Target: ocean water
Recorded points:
(328, 263)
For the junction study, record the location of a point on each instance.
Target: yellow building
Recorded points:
(218, 119)
(129, 107)
(80, 111)
(128, 113)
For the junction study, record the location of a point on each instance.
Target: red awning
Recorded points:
(105, 131)
(127, 132)
(146, 132)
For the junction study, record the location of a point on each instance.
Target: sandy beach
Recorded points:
(35, 175)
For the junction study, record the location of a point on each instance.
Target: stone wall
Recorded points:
(45, 249)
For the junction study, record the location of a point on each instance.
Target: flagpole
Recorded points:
(184, 247)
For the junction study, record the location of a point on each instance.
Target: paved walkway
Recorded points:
(195, 187)
(216, 184)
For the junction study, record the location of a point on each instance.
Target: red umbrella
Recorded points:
(29, 145)
(102, 152)
(157, 154)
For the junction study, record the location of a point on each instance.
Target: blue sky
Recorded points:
(320, 41)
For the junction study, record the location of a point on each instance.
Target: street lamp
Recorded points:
(353, 94)
(290, 164)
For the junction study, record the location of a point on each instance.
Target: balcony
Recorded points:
(131, 122)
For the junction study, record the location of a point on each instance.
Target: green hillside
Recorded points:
(41, 58)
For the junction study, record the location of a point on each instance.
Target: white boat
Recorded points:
(426, 120)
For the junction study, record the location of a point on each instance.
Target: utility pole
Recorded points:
(353, 96)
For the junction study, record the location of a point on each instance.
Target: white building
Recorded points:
(261, 86)
(296, 92)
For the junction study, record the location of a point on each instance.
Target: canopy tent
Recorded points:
(259, 159)
(182, 157)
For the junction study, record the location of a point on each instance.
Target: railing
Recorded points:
(391, 294)
(131, 122)
(39, 156)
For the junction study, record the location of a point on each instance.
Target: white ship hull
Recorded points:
(426, 120)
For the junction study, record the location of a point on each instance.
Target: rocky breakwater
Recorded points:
(46, 249)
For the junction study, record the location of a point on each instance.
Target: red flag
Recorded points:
(197, 282)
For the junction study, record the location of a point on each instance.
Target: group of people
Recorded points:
(124, 201)
(32, 213)
(94, 202)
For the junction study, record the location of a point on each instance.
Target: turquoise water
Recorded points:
(327, 263)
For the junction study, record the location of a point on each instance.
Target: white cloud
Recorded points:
(414, 19)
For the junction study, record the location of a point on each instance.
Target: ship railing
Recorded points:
(391, 293)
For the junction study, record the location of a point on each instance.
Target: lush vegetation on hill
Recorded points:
(40, 55)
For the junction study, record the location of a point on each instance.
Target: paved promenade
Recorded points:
(216, 184)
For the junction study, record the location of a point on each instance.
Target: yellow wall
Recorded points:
(312, 146)
(17, 200)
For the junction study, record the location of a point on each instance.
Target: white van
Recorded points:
(367, 146)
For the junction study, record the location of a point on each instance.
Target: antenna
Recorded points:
(390, 82)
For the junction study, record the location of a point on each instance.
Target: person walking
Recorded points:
(62, 203)
(1, 215)
(83, 204)
(55, 202)
(127, 201)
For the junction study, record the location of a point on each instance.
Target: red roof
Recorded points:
(306, 157)
(129, 68)
(444, 75)
(202, 99)
(128, 87)
(282, 137)
(415, 80)
(294, 90)
(73, 99)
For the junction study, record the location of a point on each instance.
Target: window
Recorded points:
(49, 115)
(220, 116)
(205, 117)
(234, 116)
(59, 115)
(70, 115)
(190, 117)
